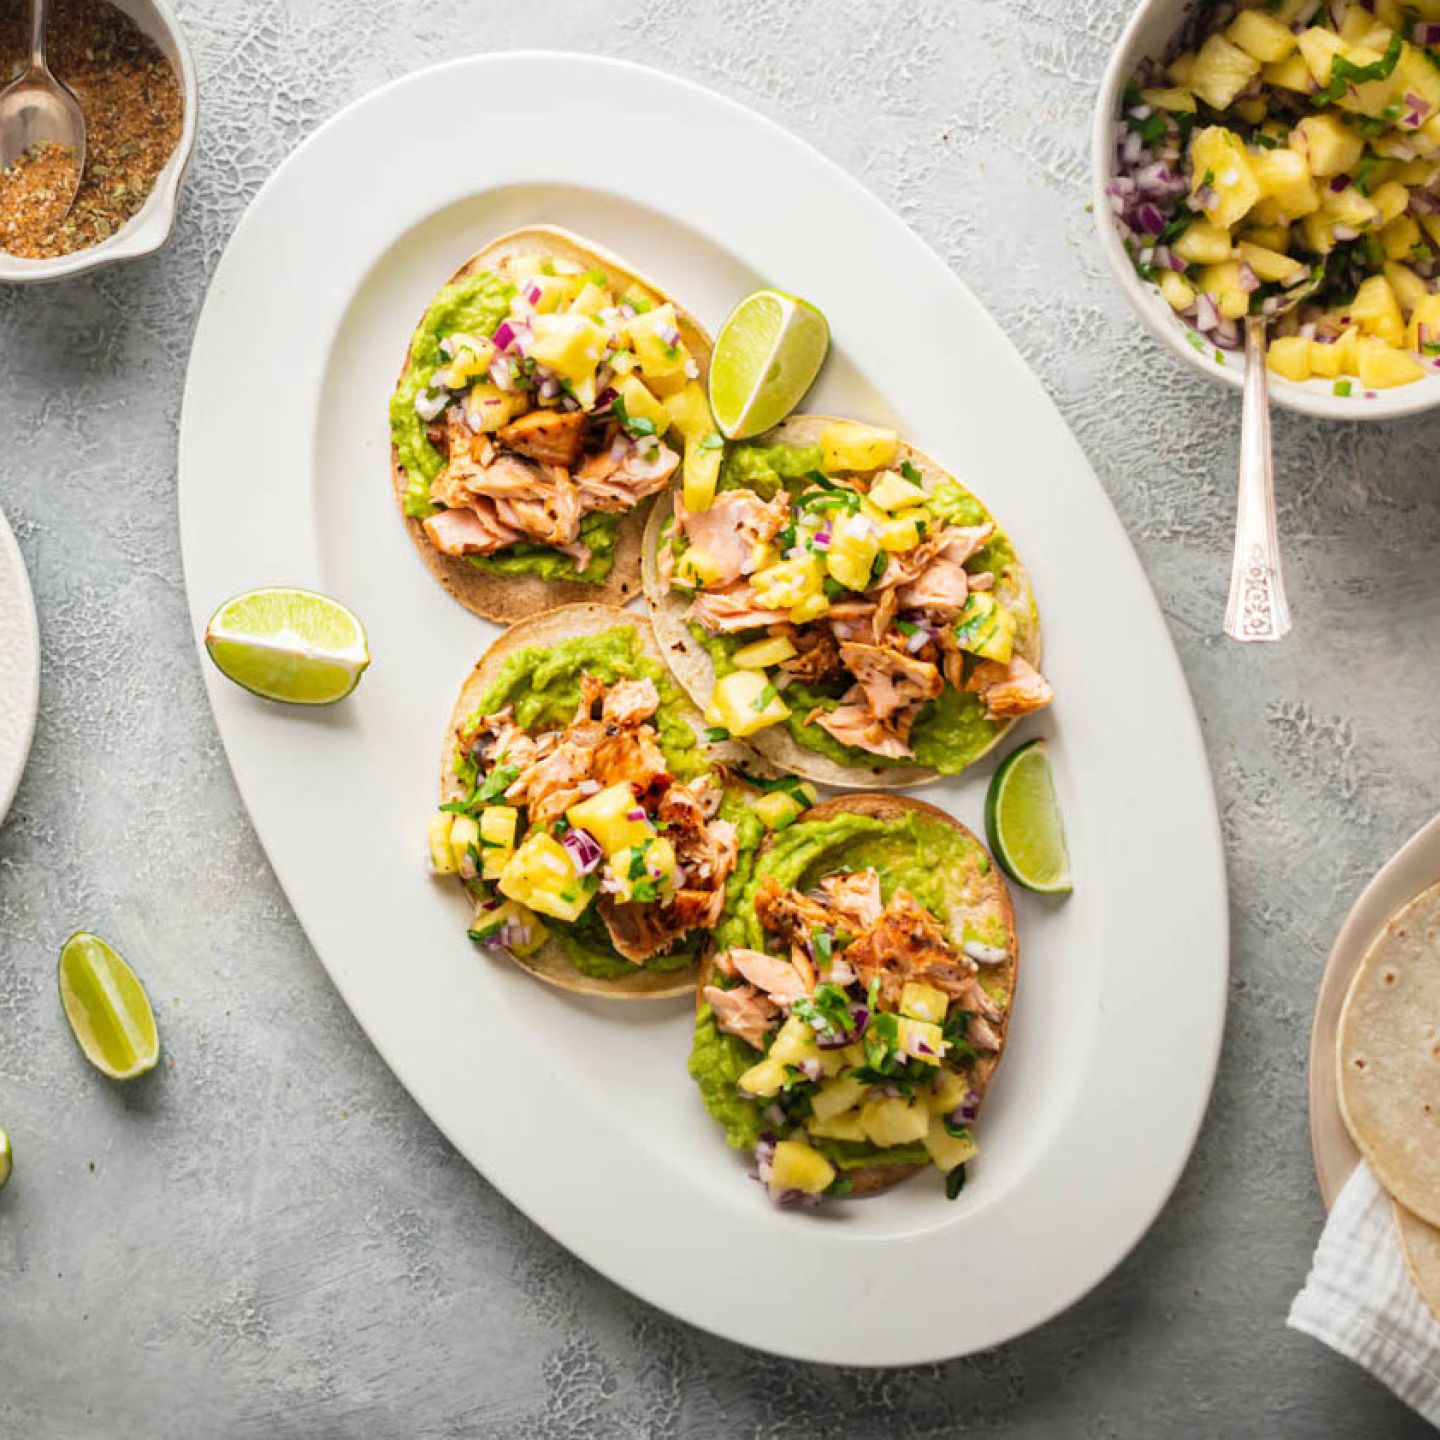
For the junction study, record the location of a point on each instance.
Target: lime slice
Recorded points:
(767, 356)
(6, 1164)
(1022, 819)
(290, 645)
(107, 1008)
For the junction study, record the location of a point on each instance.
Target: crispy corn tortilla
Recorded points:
(549, 963)
(1388, 1057)
(872, 1179)
(514, 597)
(1420, 1247)
(693, 668)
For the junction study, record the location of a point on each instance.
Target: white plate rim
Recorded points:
(1122, 1214)
(24, 632)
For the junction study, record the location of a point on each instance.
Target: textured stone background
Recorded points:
(266, 1237)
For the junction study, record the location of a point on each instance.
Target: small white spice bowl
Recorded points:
(1148, 35)
(149, 228)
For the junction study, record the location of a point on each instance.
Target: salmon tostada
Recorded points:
(592, 829)
(857, 1002)
(845, 606)
(543, 398)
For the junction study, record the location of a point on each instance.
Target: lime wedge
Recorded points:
(767, 356)
(107, 1008)
(290, 645)
(1022, 819)
(6, 1163)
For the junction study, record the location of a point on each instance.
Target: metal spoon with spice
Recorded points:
(42, 132)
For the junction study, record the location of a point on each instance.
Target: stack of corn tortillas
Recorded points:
(1388, 1074)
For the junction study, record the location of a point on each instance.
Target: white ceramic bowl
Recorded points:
(1147, 35)
(149, 228)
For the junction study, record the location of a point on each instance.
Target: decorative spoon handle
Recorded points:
(37, 34)
(1257, 608)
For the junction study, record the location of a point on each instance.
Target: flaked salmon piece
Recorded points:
(554, 437)
(468, 532)
(729, 530)
(817, 657)
(956, 543)
(855, 898)
(852, 722)
(980, 1035)
(630, 701)
(724, 611)
(1010, 691)
(555, 783)
(789, 914)
(592, 693)
(941, 588)
(952, 657)
(965, 987)
(508, 477)
(892, 682)
(742, 1011)
(778, 979)
(620, 476)
(501, 741)
(639, 931)
(552, 516)
(857, 619)
(630, 755)
(905, 943)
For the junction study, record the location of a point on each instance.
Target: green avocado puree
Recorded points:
(949, 733)
(943, 868)
(544, 687)
(475, 305)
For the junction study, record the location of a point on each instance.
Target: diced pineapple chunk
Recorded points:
(689, 412)
(1220, 164)
(1269, 237)
(1261, 36)
(1319, 232)
(777, 810)
(921, 1040)
(986, 628)
(836, 1096)
(845, 1126)
(1204, 244)
(1220, 72)
(1326, 360)
(702, 472)
(1400, 237)
(655, 336)
(526, 932)
(812, 607)
(924, 1002)
(1270, 264)
(591, 299)
(1376, 310)
(892, 491)
(1350, 207)
(640, 404)
(1178, 293)
(1180, 68)
(464, 837)
(1292, 73)
(1289, 355)
(1382, 367)
(745, 702)
(1328, 146)
(854, 546)
(696, 568)
(568, 345)
(442, 857)
(644, 873)
(894, 1121)
(1390, 199)
(548, 293)
(613, 817)
(905, 531)
(765, 1079)
(848, 447)
(1426, 315)
(1320, 46)
(487, 407)
(497, 824)
(1409, 288)
(1286, 186)
(947, 1092)
(948, 1150)
(789, 582)
(542, 875)
(1170, 98)
(796, 1166)
(760, 653)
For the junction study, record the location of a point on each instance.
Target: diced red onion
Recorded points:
(501, 374)
(549, 388)
(1207, 313)
(918, 640)
(821, 540)
(504, 334)
(985, 954)
(1226, 335)
(1131, 149)
(533, 293)
(1203, 198)
(635, 813)
(670, 335)
(583, 848)
(605, 399)
(1339, 183)
(1423, 203)
(1151, 220)
(429, 404)
(967, 1111)
(810, 1069)
(513, 933)
(589, 787)
(772, 1114)
(1345, 232)
(1247, 279)
(628, 312)
(1426, 33)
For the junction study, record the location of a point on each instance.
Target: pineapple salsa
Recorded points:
(587, 816)
(857, 1002)
(880, 617)
(533, 414)
(1291, 149)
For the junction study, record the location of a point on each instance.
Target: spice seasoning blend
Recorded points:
(131, 101)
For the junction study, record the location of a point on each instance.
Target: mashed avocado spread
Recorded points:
(544, 687)
(951, 732)
(943, 868)
(475, 305)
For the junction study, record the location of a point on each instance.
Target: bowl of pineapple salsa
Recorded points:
(1282, 158)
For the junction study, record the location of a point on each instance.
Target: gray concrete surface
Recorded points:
(266, 1237)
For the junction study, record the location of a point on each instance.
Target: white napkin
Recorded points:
(1359, 1298)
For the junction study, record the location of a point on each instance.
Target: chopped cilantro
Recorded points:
(712, 442)
(499, 780)
(955, 1182)
(910, 472)
(1342, 388)
(716, 733)
(636, 425)
(1345, 73)
(763, 699)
